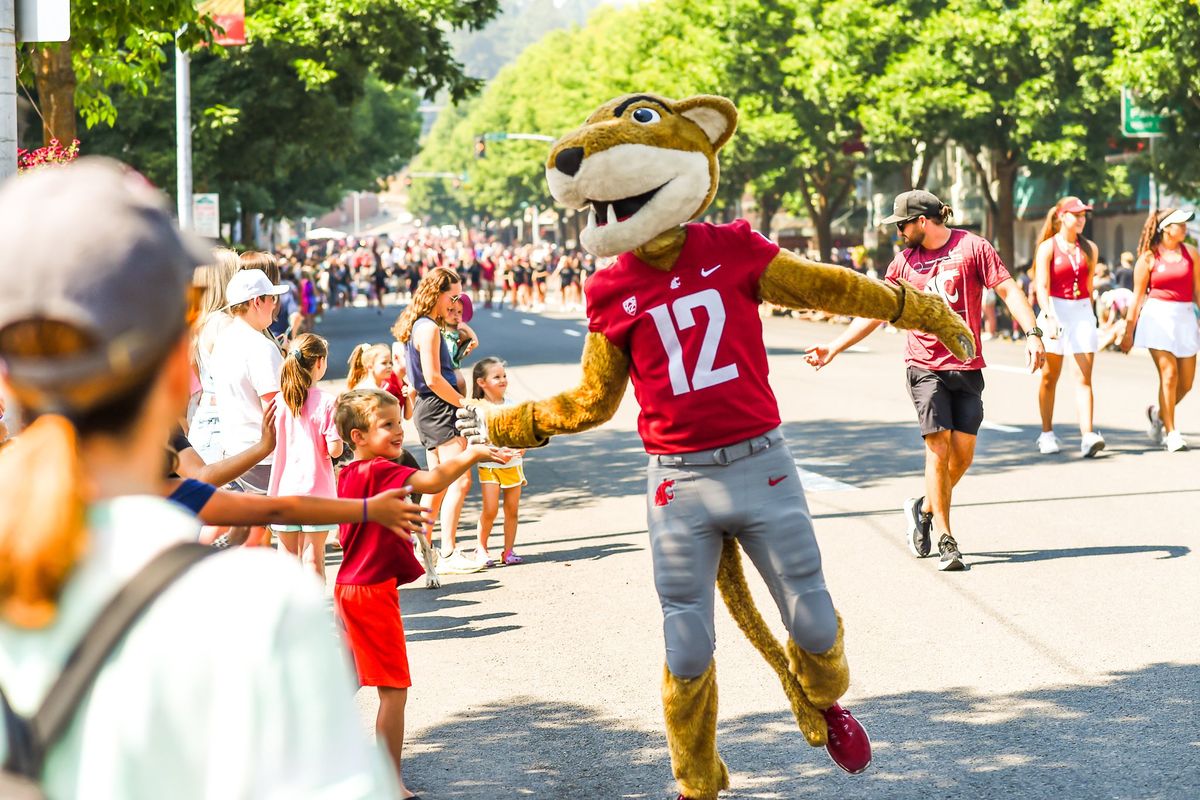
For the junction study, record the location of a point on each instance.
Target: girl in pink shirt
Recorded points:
(307, 440)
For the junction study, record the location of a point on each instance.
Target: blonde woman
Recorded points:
(204, 426)
(1063, 267)
(432, 375)
(1166, 285)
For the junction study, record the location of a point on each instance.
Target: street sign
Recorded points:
(1137, 122)
(43, 20)
(206, 215)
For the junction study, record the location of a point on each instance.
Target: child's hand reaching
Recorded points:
(501, 455)
(392, 509)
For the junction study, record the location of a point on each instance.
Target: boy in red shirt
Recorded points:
(375, 561)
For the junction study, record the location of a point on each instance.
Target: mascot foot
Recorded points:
(690, 709)
(848, 746)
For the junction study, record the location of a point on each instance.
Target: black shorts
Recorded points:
(947, 400)
(434, 418)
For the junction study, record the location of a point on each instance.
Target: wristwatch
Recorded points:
(1035, 331)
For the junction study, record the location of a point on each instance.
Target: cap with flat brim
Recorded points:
(92, 246)
(910, 205)
(248, 284)
(1074, 206)
(1178, 215)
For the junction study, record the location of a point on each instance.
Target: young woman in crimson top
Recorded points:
(1063, 276)
(947, 393)
(1166, 285)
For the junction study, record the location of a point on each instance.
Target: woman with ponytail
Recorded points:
(95, 354)
(1166, 286)
(438, 400)
(307, 439)
(1063, 267)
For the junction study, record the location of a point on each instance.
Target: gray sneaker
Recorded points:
(919, 526)
(951, 559)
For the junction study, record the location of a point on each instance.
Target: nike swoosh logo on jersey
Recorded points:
(704, 273)
(773, 481)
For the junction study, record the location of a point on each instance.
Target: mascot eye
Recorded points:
(646, 116)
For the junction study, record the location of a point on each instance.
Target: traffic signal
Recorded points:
(480, 147)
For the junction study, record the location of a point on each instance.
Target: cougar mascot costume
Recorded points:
(678, 314)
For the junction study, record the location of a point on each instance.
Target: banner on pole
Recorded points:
(206, 215)
(230, 15)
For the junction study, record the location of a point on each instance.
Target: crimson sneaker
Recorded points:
(849, 746)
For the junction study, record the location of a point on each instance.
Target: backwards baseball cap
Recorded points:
(247, 284)
(917, 203)
(1074, 205)
(1178, 215)
(93, 246)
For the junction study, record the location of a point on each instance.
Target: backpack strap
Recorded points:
(27, 748)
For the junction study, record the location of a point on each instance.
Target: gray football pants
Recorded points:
(692, 506)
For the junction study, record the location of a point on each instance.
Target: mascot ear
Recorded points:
(716, 116)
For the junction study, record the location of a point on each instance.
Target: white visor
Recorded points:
(1178, 215)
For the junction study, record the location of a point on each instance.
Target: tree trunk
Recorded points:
(54, 76)
(768, 204)
(1006, 176)
(248, 228)
(822, 222)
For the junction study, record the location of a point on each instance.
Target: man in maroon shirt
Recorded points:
(947, 393)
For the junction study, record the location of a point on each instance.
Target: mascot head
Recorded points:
(644, 163)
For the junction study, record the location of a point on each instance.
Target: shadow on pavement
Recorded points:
(1023, 556)
(1135, 737)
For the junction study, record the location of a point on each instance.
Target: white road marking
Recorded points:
(528, 322)
(570, 332)
(996, 426)
(858, 348)
(1007, 368)
(816, 482)
(497, 314)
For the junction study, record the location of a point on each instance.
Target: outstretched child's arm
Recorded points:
(390, 508)
(432, 481)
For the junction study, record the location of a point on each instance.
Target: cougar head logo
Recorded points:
(644, 164)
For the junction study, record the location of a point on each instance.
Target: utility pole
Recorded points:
(8, 89)
(183, 135)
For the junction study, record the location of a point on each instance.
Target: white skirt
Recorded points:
(1077, 328)
(1168, 325)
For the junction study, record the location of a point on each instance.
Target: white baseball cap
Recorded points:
(1178, 215)
(248, 284)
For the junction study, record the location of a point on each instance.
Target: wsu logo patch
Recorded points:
(665, 493)
(630, 305)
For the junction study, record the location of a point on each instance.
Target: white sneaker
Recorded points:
(482, 556)
(458, 563)
(1155, 431)
(1047, 443)
(1175, 442)
(428, 557)
(1092, 443)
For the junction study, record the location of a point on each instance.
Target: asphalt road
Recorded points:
(1065, 663)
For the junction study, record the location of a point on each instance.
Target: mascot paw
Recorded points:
(927, 312)
(471, 421)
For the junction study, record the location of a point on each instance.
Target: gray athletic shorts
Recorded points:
(694, 501)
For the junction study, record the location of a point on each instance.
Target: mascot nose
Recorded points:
(568, 160)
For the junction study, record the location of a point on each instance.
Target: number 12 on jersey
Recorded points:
(704, 375)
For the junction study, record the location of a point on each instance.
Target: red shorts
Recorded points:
(370, 617)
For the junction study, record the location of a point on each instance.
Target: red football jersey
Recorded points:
(698, 364)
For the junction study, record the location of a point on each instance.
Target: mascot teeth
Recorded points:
(609, 211)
